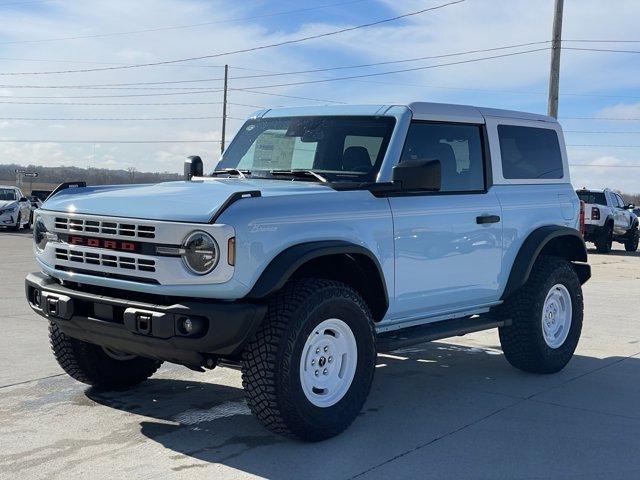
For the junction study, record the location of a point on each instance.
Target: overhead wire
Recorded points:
(180, 27)
(248, 49)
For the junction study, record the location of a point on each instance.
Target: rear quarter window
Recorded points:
(592, 197)
(530, 153)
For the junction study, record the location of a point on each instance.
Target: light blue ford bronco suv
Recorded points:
(323, 236)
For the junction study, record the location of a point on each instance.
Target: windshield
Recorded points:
(341, 149)
(592, 197)
(7, 194)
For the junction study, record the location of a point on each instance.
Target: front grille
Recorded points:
(105, 259)
(102, 227)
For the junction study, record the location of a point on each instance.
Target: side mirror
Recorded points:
(418, 174)
(192, 167)
(631, 206)
(23, 199)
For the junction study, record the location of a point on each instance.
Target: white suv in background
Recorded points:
(15, 208)
(607, 218)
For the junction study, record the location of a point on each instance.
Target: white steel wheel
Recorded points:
(328, 363)
(556, 316)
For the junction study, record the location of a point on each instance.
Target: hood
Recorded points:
(194, 201)
(7, 203)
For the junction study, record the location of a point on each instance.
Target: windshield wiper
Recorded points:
(232, 171)
(300, 173)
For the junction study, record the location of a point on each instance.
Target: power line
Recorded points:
(116, 96)
(142, 119)
(132, 104)
(286, 96)
(603, 118)
(404, 70)
(277, 74)
(246, 50)
(603, 146)
(601, 132)
(600, 41)
(602, 165)
(109, 141)
(608, 50)
(180, 27)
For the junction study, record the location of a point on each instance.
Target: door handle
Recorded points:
(482, 219)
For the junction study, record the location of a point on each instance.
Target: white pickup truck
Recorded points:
(607, 218)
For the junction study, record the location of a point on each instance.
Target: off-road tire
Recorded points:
(88, 363)
(271, 360)
(631, 243)
(523, 342)
(604, 241)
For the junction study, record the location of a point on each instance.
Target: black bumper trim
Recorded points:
(107, 321)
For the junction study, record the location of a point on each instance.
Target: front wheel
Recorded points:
(18, 226)
(308, 370)
(100, 367)
(546, 318)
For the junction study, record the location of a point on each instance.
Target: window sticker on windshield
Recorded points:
(273, 151)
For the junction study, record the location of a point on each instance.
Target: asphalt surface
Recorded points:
(451, 409)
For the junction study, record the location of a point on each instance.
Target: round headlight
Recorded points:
(40, 237)
(201, 253)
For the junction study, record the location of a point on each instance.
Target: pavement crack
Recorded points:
(32, 380)
(437, 439)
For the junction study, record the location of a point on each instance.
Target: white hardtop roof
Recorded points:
(8, 186)
(427, 110)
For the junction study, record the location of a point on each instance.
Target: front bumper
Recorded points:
(149, 328)
(8, 219)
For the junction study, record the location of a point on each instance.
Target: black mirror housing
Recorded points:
(23, 199)
(421, 174)
(193, 167)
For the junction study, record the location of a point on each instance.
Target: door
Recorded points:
(621, 216)
(448, 244)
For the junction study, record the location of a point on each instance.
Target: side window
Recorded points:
(620, 201)
(529, 153)
(457, 146)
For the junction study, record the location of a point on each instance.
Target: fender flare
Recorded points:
(285, 264)
(535, 243)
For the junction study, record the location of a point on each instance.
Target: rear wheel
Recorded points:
(631, 243)
(103, 368)
(546, 318)
(605, 239)
(309, 368)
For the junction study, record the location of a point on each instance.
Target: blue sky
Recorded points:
(593, 84)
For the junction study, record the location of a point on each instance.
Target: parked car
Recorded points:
(607, 218)
(325, 235)
(15, 208)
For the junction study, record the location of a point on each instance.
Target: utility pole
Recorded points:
(224, 108)
(556, 47)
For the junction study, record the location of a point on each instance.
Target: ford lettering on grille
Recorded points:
(109, 244)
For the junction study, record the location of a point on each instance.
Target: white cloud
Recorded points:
(621, 111)
(470, 25)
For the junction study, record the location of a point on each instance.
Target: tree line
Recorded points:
(91, 175)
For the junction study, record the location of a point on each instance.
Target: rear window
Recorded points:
(529, 153)
(592, 197)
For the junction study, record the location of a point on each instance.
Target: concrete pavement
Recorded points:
(451, 409)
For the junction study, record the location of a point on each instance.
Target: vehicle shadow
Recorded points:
(421, 397)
